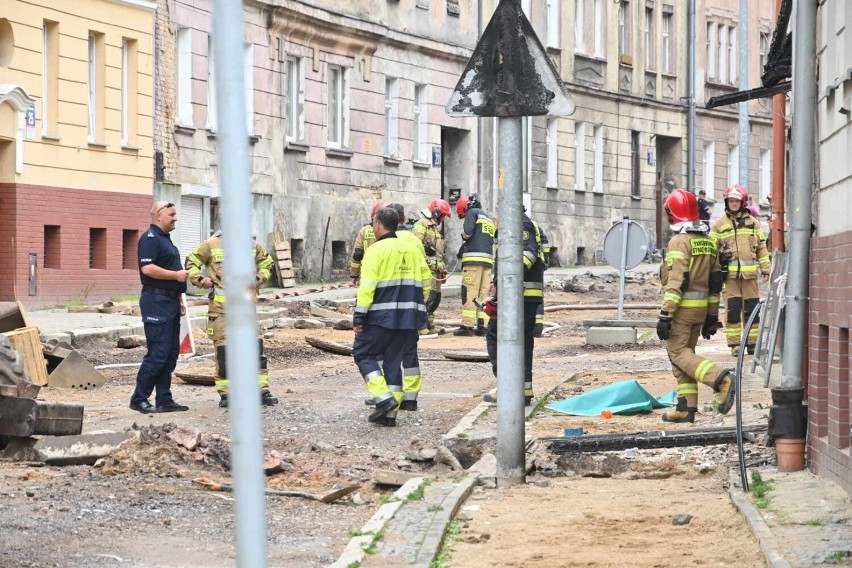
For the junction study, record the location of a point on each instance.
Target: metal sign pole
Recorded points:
(510, 339)
(241, 319)
(625, 225)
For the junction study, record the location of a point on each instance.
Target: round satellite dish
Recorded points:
(637, 244)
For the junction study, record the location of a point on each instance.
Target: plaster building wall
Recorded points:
(75, 147)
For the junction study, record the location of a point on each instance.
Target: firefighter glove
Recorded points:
(430, 250)
(709, 327)
(664, 328)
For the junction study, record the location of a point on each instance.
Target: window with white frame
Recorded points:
(552, 153)
(391, 116)
(580, 156)
(211, 86)
(734, 165)
(710, 168)
(580, 26)
(733, 60)
(599, 158)
(420, 149)
(338, 111)
(764, 50)
(765, 176)
(552, 23)
(666, 47)
(711, 50)
(295, 99)
(248, 62)
(92, 85)
(624, 26)
(49, 77)
(184, 77)
(600, 28)
(650, 56)
(722, 74)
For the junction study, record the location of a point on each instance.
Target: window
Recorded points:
(49, 78)
(600, 28)
(635, 186)
(711, 51)
(129, 240)
(734, 165)
(580, 26)
(184, 77)
(599, 157)
(391, 117)
(52, 247)
(129, 92)
(624, 26)
(420, 149)
(733, 60)
(710, 168)
(765, 176)
(248, 62)
(552, 23)
(96, 75)
(296, 98)
(666, 47)
(552, 153)
(211, 87)
(97, 249)
(764, 50)
(722, 74)
(338, 107)
(650, 60)
(580, 156)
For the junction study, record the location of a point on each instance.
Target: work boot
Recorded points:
(408, 405)
(464, 331)
(725, 387)
(223, 401)
(682, 412)
(750, 349)
(479, 331)
(370, 401)
(382, 408)
(266, 398)
(386, 421)
(735, 350)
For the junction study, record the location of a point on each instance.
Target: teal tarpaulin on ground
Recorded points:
(625, 397)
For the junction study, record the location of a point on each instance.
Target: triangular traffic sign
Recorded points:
(510, 73)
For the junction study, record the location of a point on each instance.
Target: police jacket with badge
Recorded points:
(160, 299)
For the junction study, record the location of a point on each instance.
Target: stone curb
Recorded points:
(756, 523)
(354, 551)
(434, 537)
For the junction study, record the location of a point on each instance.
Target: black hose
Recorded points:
(738, 383)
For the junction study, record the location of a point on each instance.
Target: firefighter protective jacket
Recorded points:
(478, 236)
(533, 263)
(365, 238)
(740, 235)
(691, 277)
(211, 254)
(394, 282)
(429, 233)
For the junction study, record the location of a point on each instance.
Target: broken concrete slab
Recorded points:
(307, 323)
(393, 477)
(610, 335)
(486, 466)
(84, 449)
(185, 436)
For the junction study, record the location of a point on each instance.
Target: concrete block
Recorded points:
(60, 337)
(610, 335)
(84, 449)
(393, 477)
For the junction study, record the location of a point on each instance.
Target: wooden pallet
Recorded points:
(26, 342)
(282, 260)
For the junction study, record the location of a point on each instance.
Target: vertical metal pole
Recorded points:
(779, 143)
(241, 318)
(690, 122)
(743, 107)
(625, 224)
(510, 337)
(804, 135)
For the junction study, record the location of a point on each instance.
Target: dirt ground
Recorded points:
(139, 508)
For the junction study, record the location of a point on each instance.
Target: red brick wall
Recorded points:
(26, 209)
(829, 358)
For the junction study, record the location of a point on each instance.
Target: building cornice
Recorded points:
(16, 96)
(146, 4)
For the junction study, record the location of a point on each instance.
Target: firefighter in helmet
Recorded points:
(691, 278)
(742, 247)
(365, 238)
(477, 258)
(429, 230)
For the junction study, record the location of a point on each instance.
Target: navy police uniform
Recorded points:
(160, 305)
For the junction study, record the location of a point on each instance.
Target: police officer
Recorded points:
(388, 314)
(363, 241)
(691, 278)
(210, 255)
(533, 296)
(429, 230)
(163, 284)
(477, 259)
(742, 243)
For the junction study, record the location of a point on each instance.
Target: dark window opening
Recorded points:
(97, 249)
(553, 257)
(129, 240)
(297, 252)
(52, 247)
(635, 188)
(339, 260)
(581, 256)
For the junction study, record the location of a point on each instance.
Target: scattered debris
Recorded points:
(327, 497)
(330, 346)
(681, 519)
(130, 341)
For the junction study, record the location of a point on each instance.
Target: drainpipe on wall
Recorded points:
(690, 121)
(745, 170)
(480, 136)
(779, 148)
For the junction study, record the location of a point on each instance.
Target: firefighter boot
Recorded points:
(267, 399)
(464, 331)
(724, 386)
(480, 328)
(684, 411)
(223, 401)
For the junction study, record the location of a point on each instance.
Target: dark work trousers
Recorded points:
(529, 341)
(381, 349)
(159, 362)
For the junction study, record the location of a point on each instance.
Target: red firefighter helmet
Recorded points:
(737, 191)
(461, 206)
(376, 207)
(439, 209)
(681, 206)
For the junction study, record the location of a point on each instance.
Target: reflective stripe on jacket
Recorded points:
(478, 235)
(685, 274)
(429, 233)
(741, 236)
(365, 238)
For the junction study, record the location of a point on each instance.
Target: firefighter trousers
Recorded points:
(529, 344)
(216, 332)
(741, 296)
(688, 368)
(476, 278)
